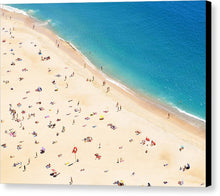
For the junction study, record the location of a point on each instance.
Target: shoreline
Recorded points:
(185, 116)
(144, 99)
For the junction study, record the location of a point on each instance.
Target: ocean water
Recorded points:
(155, 48)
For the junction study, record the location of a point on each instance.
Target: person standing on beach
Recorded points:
(108, 89)
(63, 129)
(71, 181)
(73, 122)
(72, 74)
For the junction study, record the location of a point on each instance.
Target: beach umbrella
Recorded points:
(75, 151)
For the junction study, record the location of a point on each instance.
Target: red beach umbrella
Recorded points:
(75, 150)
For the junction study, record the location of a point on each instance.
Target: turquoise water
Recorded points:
(156, 48)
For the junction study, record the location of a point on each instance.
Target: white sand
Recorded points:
(151, 121)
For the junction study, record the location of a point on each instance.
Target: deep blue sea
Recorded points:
(156, 48)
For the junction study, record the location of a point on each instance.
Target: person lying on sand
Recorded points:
(119, 183)
(97, 156)
(42, 151)
(48, 166)
(72, 74)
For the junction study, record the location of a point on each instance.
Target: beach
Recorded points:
(53, 99)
